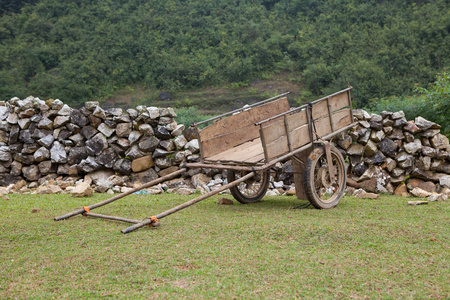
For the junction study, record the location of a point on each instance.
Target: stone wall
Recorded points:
(41, 141)
(388, 154)
(49, 139)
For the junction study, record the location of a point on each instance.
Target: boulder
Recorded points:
(142, 163)
(82, 189)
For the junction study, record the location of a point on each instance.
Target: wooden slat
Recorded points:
(277, 148)
(300, 136)
(273, 131)
(244, 119)
(323, 126)
(241, 153)
(296, 120)
(238, 129)
(320, 109)
(339, 101)
(342, 118)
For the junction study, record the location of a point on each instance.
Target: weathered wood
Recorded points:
(96, 205)
(300, 136)
(242, 153)
(323, 126)
(189, 203)
(277, 147)
(342, 118)
(244, 119)
(237, 129)
(320, 110)
(339, 101)
(297, 120)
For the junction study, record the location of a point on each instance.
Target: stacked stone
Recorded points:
(388, 154)
(48, 138)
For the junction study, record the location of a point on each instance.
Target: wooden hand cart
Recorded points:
(248, 142)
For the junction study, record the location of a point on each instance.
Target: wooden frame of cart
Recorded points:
(248, 142)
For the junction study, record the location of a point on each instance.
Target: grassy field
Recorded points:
(361, 249)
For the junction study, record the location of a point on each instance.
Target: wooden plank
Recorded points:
(342, 118)
(245, 118)
(273, 131)
(339, 101)
(277, 148)
(222, 143)
(296, 120)
(300, 136)
(320, 109)
(240, 153)
(255, 159)
(323, 126)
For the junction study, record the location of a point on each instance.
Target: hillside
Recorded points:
(96, 50)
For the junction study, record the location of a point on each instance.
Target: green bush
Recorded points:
(189, 115)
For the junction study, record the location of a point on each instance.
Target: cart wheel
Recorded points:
(320, 191)
(251, 190)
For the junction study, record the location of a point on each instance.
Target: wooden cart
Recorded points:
(248, 142)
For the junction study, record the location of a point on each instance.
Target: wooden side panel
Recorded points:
(274, 131)
(298, 164)
(238, 129)
(277, 147)
(320, 109)
(323, 126)
(342, 118)
(300, 136)
(339, 101)
(297, 119)
(245, 118)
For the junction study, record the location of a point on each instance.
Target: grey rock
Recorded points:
(41, 154)
(376, 159)
(78, 118)
(397, 172)
(398, 115)
(388, 147)
(60, 121)
(24, 158)
(162, 133)
(12, 118)
(180, 141)
(409, 138)
(193, 146)
(26, 136)
(13, 135)
(414, 147)
(107, 158)
(123, 143)
(30, 148)
(425, 124)
(89, 165)
(134, 136)
(159, 153)
(397, 134)
(16, 168)
(123, 166)
(5, 155)
(26, 113)
(45, 123)
(144, 176)
(163, 162)
(133, 113)
(167, 144)
(78, 139)
(4, 113)
(24, 123)
(148, 144)
(58, 153)
(134, 152)
(355, 149)
(123, 129)
(91, 105)
(106, 130)
(361, 114)
(96, 144)
(31, 173)
(430, 133)
(63, 169)
(370, 148)
(178, 131)
(99, 113)
(146, 129)
(364, 137)
(377, 136)
(46, 141)
(57, 104)
(440, 141)
(76, 155)
(400, 123)
(65, 110)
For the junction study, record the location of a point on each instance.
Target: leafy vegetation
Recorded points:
(360, 249)
(82, 50)
(433, 103)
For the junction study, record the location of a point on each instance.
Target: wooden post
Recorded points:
(149, 184)
(189, 203)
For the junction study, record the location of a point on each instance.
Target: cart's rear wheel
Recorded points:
(321, 192)
(251, 190)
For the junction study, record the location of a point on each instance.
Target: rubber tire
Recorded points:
(310, 175)
(231, 176)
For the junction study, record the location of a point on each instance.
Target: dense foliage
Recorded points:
(84, 49)
(432, 103)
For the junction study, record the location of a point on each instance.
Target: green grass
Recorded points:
(361, 249)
